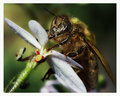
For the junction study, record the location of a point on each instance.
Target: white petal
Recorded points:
(72, 62)
(49, 87)
(23, 33)
(65, 58)
(65, 74)
(38, 31)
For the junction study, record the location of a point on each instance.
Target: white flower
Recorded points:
(61, 65)
(48, 87)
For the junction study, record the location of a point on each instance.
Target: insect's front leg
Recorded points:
(47, 74)
(61, 43)
(20, 53)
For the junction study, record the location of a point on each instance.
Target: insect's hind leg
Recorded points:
(47, 74)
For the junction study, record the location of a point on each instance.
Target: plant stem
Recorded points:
(30, 65)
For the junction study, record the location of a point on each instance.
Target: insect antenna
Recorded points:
(50, 12)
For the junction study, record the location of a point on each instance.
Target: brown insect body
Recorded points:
(70, 33)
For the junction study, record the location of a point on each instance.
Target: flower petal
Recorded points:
(65, 74)
(39, 32)
(23, 33)
(65, 58)
(49, 87)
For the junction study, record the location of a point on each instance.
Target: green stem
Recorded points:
(30, 65)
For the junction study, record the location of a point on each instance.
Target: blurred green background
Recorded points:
(100, 18)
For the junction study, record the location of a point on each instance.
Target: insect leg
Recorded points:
(47, 30)
(61, 43)
(47, 74)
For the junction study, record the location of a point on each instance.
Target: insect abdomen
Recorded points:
(89, 74)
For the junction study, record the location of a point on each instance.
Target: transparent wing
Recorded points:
(65, 74)
(38, 31)
(23, 33)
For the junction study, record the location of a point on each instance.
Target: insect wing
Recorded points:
(23, 33)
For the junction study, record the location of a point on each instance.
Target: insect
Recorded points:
(77, 42)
